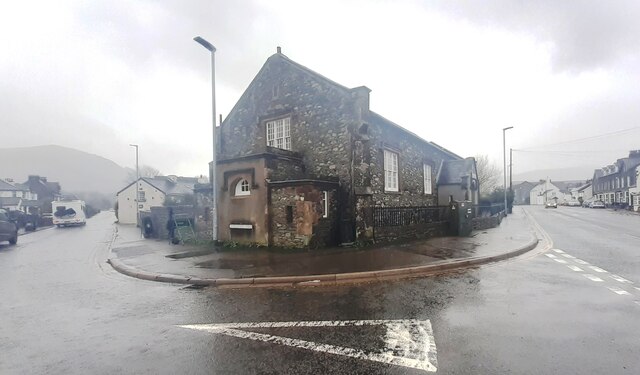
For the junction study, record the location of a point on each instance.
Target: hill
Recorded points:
(76, 171)
(564, 174)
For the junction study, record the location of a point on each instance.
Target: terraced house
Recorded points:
(303, 161)
(617, 184)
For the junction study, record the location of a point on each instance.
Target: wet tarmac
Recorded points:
(65, 311)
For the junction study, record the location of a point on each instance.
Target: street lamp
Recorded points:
(504, 165)
(214, 213)
(137, 193)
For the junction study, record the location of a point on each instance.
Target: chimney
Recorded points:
(279, 50)
(361, 94)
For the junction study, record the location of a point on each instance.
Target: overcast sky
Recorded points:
(98, 75)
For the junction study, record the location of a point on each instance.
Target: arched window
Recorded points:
(242, 188)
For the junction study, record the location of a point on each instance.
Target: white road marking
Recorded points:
(560, 261)
(551, 256)
(597, 269)
(409, 343)
(580, 261)
(575, 268)
(638, 288)
(621, 279)
(558, 251)
(568, 256)
(591, 277)
(619, 291)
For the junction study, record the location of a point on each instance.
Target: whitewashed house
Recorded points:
(545, 192)
(152, 192)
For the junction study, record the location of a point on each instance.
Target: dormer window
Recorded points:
(279, 133)
(242, 188)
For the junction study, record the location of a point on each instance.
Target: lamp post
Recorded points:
(504, 165)
(137, 192)
(214, 213)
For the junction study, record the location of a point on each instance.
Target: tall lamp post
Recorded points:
(504, 165)
(137, 192)
(214, 213)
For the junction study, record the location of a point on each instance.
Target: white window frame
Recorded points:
(325, 204)
(279, 133)
(428, 186)
(391, 180)
(242, 188)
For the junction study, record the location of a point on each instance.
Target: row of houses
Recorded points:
(304, 161)
(543, 191)
(616, 185)
(33, 196)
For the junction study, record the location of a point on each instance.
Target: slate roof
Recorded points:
(451, 171)
(8, 186)
(374, 118)
(585, 186)
(181, 186)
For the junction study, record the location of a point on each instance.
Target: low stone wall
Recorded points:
(482, 223)
(411, 232)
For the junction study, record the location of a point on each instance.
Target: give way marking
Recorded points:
(408, 342)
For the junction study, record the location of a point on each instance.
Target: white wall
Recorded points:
(536, 198)
(127, 205)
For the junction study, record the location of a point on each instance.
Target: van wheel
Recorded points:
(14, 240)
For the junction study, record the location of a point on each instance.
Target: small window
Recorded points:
(242, 188)
(141, 196)
(324, 204)
(427, 179)
(289, 213)
(390, 171)
(279, 133)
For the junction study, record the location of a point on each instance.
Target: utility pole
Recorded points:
(511, 171)
(504, 166)
(214, 212)
(137, 189)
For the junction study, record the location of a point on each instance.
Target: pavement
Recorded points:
(158, 260)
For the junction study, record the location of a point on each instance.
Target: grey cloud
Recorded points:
(229, 25)
(585, 34)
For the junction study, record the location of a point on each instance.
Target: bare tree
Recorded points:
(145, 171)
(488, 174)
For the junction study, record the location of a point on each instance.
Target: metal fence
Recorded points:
(403, 216)
(487, 210)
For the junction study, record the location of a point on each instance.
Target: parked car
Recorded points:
(573, 203)
(8, 228)
(551, 205)
(597, 204)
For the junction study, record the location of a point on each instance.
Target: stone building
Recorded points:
(303, 161)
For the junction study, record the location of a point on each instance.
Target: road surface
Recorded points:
(572, 310)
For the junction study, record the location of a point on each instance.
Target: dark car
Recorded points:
(8, 229)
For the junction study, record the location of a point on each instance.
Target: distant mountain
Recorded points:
(76, 171)
(563, 174)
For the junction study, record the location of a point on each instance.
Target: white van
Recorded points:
(68, 213)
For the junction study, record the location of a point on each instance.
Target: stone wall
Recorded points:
(296, 216)
(488, 222)
(411, 232)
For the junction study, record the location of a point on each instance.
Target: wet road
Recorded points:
(64, 310)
